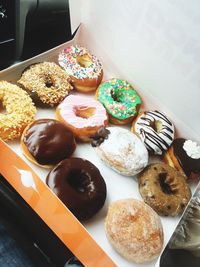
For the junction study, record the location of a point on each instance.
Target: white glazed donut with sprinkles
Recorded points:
(84, 68)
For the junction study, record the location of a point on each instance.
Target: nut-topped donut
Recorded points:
(20, 111)
(120, 100)
(46, 82)
(84, 68)
(155, 130)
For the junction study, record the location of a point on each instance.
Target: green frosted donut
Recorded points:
(119, 98)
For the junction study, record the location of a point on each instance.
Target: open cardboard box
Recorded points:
(134, 41)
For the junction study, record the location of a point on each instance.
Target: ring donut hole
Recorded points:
(48, 81)
(167, 184)
(84, 61)
(156, 125)
(79, 181)
(84, 111)
(2, 108)
(115, 96)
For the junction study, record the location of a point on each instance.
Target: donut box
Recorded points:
(88, 241)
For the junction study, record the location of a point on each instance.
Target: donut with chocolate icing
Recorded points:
(155, 130)
(80, 186)
(184, 155)
(46, 142)
(164, 189)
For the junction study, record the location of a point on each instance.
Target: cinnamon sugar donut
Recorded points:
(134, 230)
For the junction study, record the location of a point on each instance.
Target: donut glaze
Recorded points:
(155, 130)
(48, 141)
(80, 186)
(82, 115)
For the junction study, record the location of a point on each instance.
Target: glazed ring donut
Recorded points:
(20, 111)
(80, 186)
(84, 68)
(82, 115)
(164, 189)
(120, 100)
(46, 82)
(155, 130)
(134, 229)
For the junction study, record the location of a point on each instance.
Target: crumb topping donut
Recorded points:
(184, 155)
(134, 230)
(121, 150)
(19, 111)
(82, 115)
(164, 189)
(80, 186)
(155, 130)
(120, 100)
(84, 68)
(46, 82)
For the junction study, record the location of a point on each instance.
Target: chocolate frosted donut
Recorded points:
(80, 186)
(47, 141)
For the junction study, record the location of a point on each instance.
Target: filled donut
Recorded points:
(164, 189)
(119, 98)
(80, 186)
(134, 230)
(84, 68)
(19, 111)
(46, 82)
(184, 155)
(46, 142)
(155, 130)
(82, 115)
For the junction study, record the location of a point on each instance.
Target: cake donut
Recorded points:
(84, 68)
(46, 82)
(46, 142)
(164, 189)
(82, 115)
(79, 185)
(184, 155)
(121, 150)
(155, 130)
(134, 230)
(120, 100)
(20, 111)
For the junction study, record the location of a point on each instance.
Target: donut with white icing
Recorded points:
(84, 68)
(82, 115)
(155, 130)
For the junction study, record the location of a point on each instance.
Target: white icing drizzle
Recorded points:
(192, 149)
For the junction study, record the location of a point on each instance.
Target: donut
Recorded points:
(46, 142)
(79, 185)
(121, 150)
(134, 230)
(164, 189)
(82, 115)
(184, 155)
(19, 111)
(119, 98)
(155, 130)
(46, 82)
(84, 68)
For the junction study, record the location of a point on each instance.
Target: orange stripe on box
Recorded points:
(51, 210)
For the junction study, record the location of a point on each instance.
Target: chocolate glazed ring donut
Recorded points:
(80, 186)
(164, 189)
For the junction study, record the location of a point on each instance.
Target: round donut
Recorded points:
(120, 100)
(46, 142)
(84, 68)
(155, 130)
(121, 150)
(134, 230)
(46, 82)
(80, 186)
(82, 115)
(20, 111)
(164, 189)
(184, 155)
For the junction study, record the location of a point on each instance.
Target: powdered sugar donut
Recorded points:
(82, 115)
(121, 150)
(84, 68)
